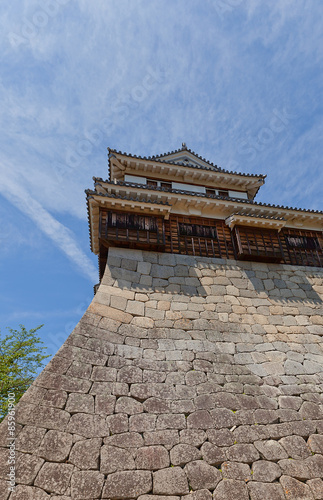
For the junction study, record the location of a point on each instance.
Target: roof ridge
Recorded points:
(185, 148)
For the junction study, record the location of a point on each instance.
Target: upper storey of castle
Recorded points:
(183, 170)
(180, 202)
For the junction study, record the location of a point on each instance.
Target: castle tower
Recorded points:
(196, 373)
(180, 203)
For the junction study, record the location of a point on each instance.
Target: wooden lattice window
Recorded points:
(166, 185)
(131, 221)
(302, 242)
(198, 230)
(152, 183)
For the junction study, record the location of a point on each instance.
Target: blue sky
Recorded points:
(240, 81)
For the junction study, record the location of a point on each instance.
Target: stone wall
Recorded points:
(187, 378)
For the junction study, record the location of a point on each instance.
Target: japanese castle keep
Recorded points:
(196, 372)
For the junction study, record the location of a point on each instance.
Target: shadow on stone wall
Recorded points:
(181, 381)
(173, 273)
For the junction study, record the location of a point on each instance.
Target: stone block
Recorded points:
(85, 454)
(198, 495)
(80, 403)
(86, 484)
(265, 491)
(130, 375)
(316, 487)
(271, 450)
(115, 459)
(161, 271)
(292, 402)
(154, 314)
(128, 405)
(156, 405)
(54, 477)
(109, 324)
(311, 411)
(80, 370)
(110, 312)
(129, 264)
(125, 440)
(23, 492)
(125, 253)
(181, 454)
(143, 322)
(104, 404)
(158, 497)
(193, 437)
(163, 305)
(295, 490)
(230, 489)
(136, 308)
(202, 475)
(213, 454)
(167, 438)
(29, 439)
(242, 453)
(118, 302)
(152, 458)
(195, 378)
(144, 267)
(142, 423)
(146, 281)
(127, 484)
(315, 443)
(171, 421)
(171, 481)
(128, 351)
(62, 382)
(87, 425)
(26, 467)
(295, 447)
(220, 437)
(118, 423)
(309, 468)
(222, 417)
(56, 446)
(265, 471)
(200, 419)
(236, 470)
(183, 406)
(42, 416)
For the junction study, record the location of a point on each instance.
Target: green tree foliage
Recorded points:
(21, 355)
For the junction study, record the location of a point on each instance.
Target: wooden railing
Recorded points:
(199, 236)
(305, 252)
(206, 237)
(258, 244)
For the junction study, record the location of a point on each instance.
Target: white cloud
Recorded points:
(224, 76)
(63, 238)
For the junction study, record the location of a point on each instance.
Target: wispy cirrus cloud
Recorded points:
(63, 237)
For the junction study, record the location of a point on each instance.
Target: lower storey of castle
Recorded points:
(187, 378)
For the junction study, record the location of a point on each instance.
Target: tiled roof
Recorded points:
(247, 214)
(91, 193)
(203, 195)
(211, 168)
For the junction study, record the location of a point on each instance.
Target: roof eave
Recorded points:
(210, 168)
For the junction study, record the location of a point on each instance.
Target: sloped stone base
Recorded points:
(187, 378)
